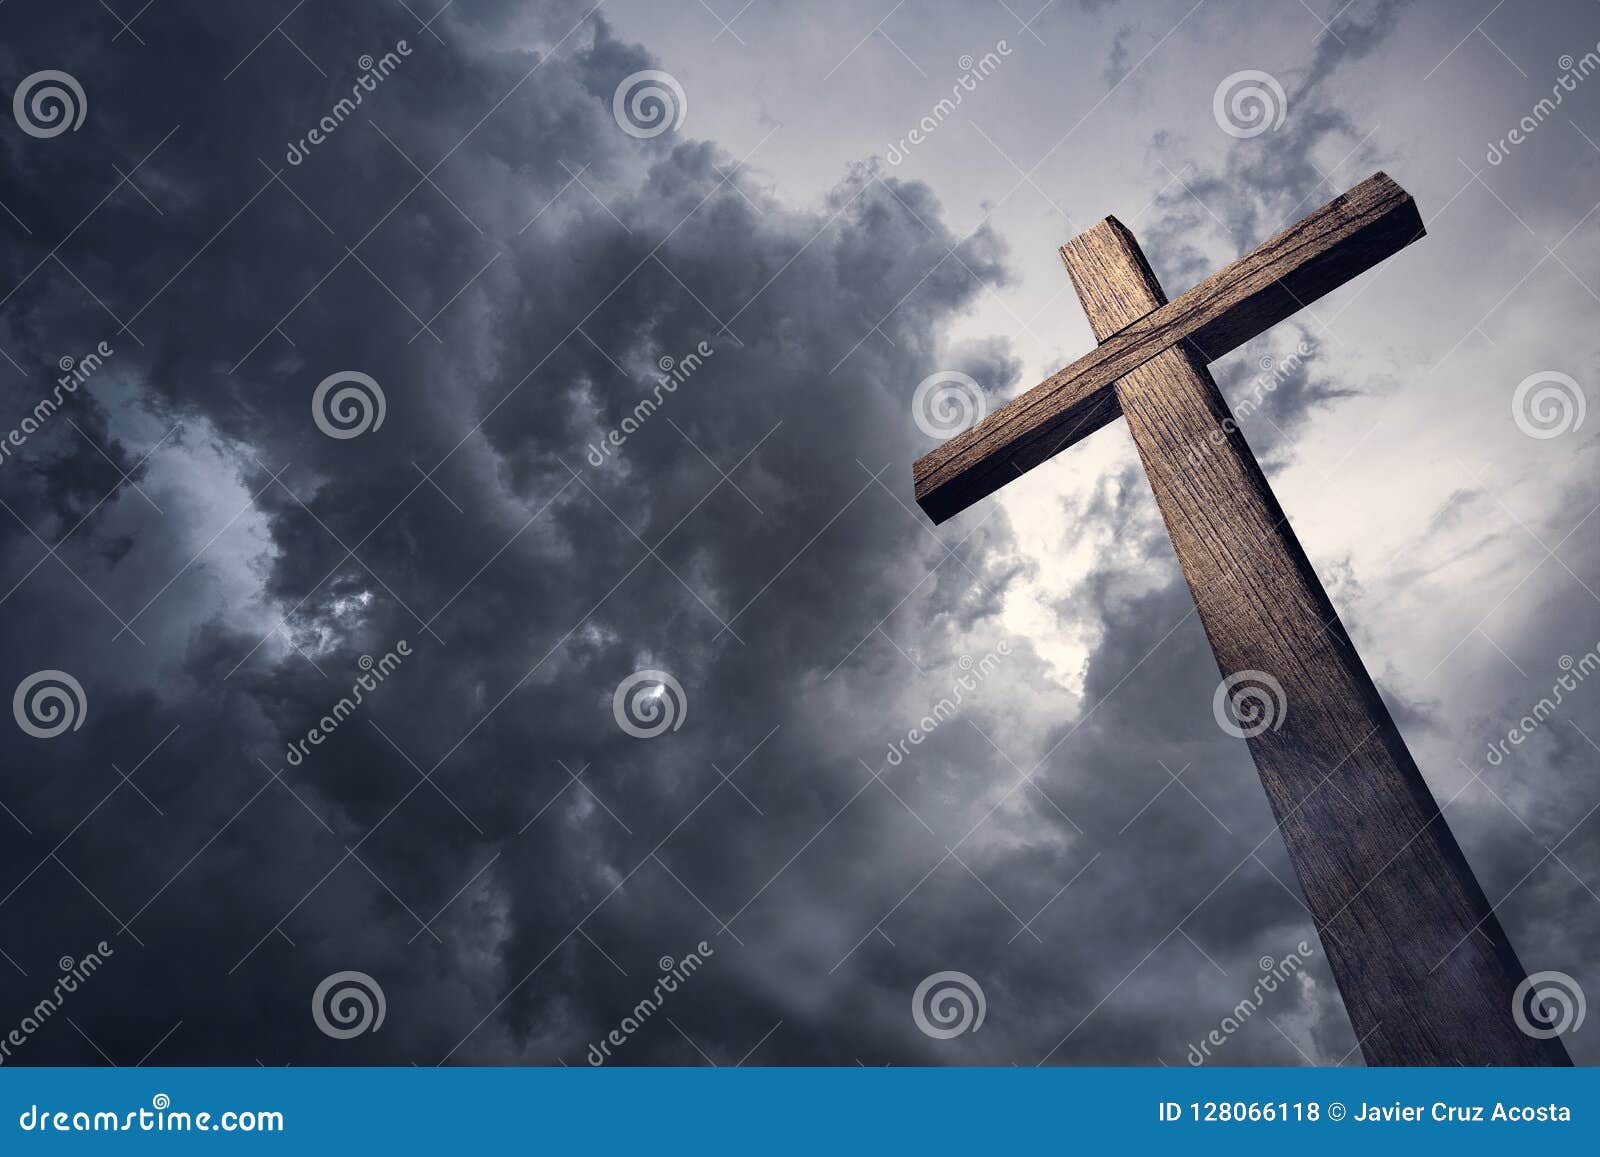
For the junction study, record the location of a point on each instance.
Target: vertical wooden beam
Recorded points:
(1426, 972)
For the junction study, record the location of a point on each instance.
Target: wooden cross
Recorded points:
(1427, 974)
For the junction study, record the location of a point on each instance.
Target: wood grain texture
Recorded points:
(1426, 972)
(1342, 239)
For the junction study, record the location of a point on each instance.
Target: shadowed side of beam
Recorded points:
(1339, 241)
(1427, 974)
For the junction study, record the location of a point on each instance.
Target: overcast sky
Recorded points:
(509, 252)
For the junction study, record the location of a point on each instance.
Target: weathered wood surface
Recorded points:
(1426, 972)
(1344, 238)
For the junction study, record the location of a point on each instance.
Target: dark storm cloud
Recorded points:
(526, 581)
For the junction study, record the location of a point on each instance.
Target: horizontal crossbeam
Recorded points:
(1333, 245)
